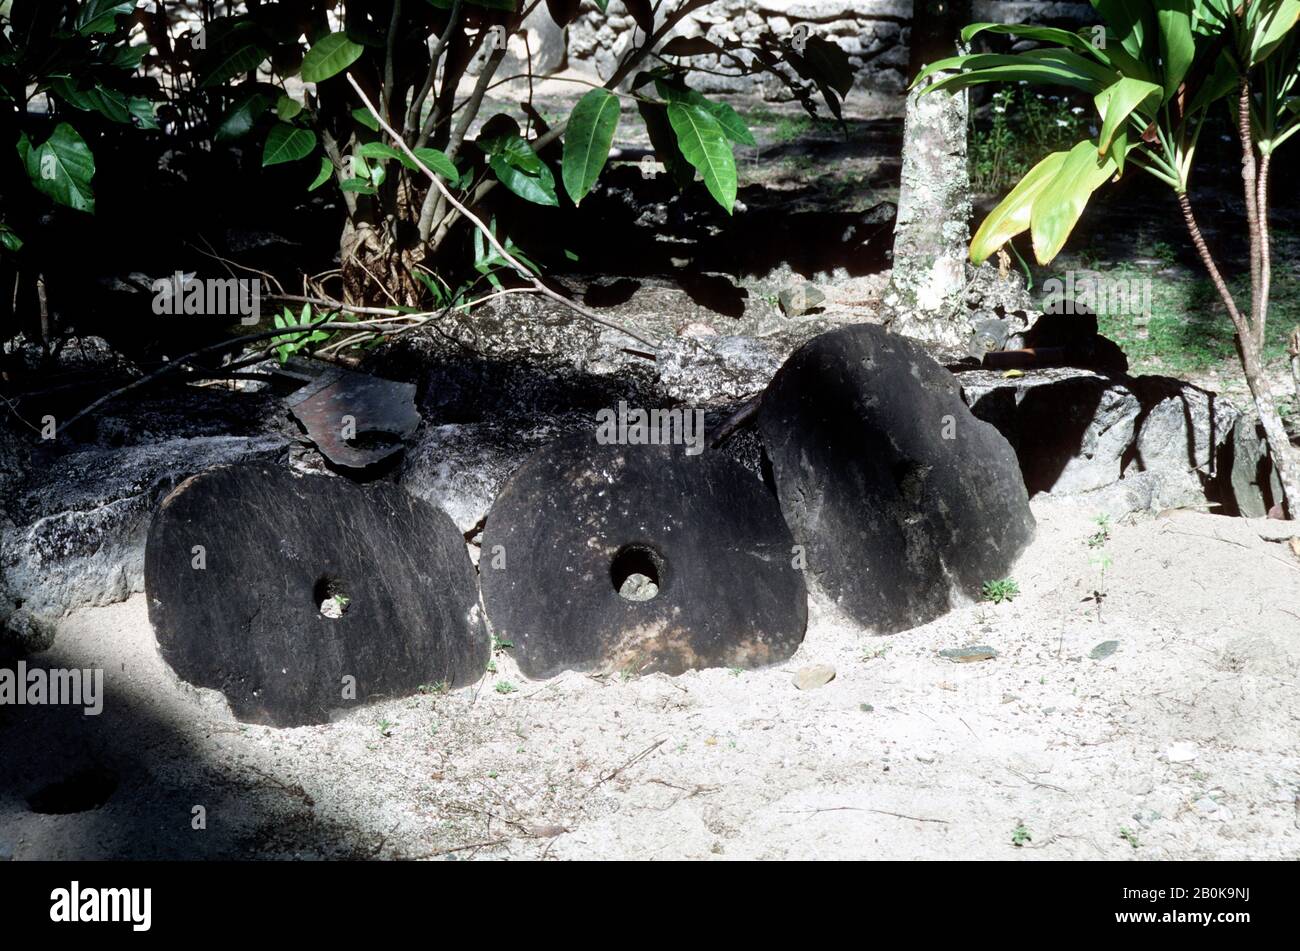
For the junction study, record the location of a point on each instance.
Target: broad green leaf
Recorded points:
(1012, 215)
(323, 176)
(732, 124)
(1043, 34)
(245, 56)
(287, 107)
(100, 16)
(1177, 44)
(380, 150)
(704, 144)
(1059, 206)
(1118, 101)
(358, 185)
(664, 142)
(9, 239)
(587, 141)
(242, 115)
(287, 143)
(1273, 29)
(437, 162)
(1056, 67)
(329, 56)
(1129, 21)
(520, 169)
(61, 167)
(366, 118)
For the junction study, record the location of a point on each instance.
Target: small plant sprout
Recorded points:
(875, 653)
(386, 727)
(505, 686)
(1129, 836)
(500, 646)
(1102, 534)
(1020, 835)
(1003, 589)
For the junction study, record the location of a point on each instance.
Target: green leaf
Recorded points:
(323, 176)
(287, 143)
(9, 239)
(329, 56)
(1012, 215)
(246, 53)
(1042, 34)
(1056, 67)
(287, 107)
(1177, 44)
(1273, 29)
(704, 144)
(1129, 24)
(380, 150)
(1060, 205)
(664, 142)
(358, 185)
(587, 141)
(366, 118)
(437, 161)
(61, 167)
(521, 170)
(1118, 101)
(100, 16)
(242, 115)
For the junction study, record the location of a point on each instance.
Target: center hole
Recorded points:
(636, 572)
(329, 595)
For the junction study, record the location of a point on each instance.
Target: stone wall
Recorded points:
(873, 32)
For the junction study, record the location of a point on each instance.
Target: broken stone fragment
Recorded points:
(969, 655)
(904, 501)
(298, 595)
(810, 678)
(797, 301)
(579, 520)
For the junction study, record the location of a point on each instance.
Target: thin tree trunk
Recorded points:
(1279, 444)
(1250, 180)
(1265, 251)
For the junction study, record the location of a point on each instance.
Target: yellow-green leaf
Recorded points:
(1059, 206)
(1012, 216)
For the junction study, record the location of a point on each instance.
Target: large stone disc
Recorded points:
(240, 560)
(578, 519)
(906, 502)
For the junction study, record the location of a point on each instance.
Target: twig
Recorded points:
(881, 812)
(633, 761)
(487, 232)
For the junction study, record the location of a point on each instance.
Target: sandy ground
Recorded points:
(1182, 744)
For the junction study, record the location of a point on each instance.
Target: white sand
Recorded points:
(950, 759)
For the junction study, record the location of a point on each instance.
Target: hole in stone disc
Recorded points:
(373, 440)
(82, 791)
(636, 572)
(331, 598)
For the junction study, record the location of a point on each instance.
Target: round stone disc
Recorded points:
(298, 595)
(639, 558)
(906, 502)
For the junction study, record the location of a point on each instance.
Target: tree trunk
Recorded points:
(926, 292)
